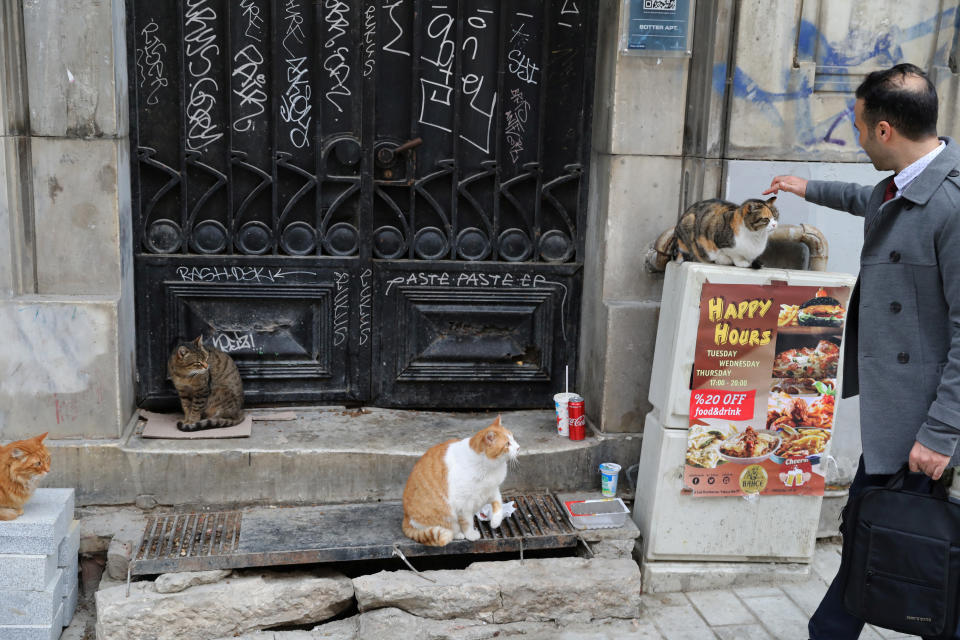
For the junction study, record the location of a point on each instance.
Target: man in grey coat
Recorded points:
(902, 349)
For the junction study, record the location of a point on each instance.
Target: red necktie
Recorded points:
(891, 190)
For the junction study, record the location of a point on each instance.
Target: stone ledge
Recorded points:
(667, 577)
(326, 455)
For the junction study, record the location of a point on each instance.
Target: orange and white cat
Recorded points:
(22, 464)
(452, 481)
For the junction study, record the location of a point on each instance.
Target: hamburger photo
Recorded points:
(821, 311)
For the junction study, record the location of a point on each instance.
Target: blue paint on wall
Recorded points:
(811, 44)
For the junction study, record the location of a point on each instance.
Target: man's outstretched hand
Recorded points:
(790, 184)
(928, 461)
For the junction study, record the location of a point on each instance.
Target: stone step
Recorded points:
(325, 455)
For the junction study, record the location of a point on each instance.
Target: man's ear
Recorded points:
(883, 130)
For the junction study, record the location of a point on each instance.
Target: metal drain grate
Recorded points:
(190, 535)
(330, 533)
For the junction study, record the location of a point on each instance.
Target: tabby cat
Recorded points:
(209, 386)
(22, 464)
(452, 481)
(720, 232)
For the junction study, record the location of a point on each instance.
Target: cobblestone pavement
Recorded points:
(748, 613)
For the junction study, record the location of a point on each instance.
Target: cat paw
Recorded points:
(458, 535)
(472, 535)
(756, 264)
(496, 520)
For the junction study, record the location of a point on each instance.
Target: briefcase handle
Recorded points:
(896, 482)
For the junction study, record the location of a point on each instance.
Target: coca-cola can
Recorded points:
(578, 421)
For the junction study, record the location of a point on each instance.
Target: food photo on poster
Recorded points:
(762, 410)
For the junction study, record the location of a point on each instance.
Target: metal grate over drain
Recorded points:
(190, 535)
(330, 533)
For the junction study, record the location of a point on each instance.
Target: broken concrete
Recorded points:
(396, 623)
(248, 601)
(549, 589)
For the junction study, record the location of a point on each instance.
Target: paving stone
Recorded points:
(826, 561)
(758, 592)
(782, 619)
(806, 595)
(721, 608)
(247, 601)
(69, 546)
(669, 599)
(26, 572)
(742, 632)
(680, 623)
(32, 607)
(43, 525)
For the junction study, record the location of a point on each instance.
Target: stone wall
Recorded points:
(66, 313)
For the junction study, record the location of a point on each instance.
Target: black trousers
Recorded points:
(831, 621)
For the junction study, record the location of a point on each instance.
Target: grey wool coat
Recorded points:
(902, 348)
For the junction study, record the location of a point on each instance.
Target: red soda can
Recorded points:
(578, 421)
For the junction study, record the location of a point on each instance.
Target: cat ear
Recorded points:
(198, 341)
(772, 200)
(40, 437)
(497, 421)
(491, 437)
(17, 453)
(182, 351)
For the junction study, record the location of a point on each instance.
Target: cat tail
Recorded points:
(431, 536)
(207, 423)
(663, 251)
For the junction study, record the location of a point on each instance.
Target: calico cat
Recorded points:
(22, 464)
(209, 386)
(452, 481)
(720, 232)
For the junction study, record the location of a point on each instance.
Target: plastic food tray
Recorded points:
(602, 513)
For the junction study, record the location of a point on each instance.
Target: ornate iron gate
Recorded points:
(378, 201)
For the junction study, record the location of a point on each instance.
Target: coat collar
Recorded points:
(924, 185)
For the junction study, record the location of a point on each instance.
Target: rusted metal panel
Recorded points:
(330, 533)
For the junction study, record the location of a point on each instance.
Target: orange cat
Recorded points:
(22, 464)
(452, 481)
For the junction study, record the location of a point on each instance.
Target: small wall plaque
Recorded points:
(659, 28)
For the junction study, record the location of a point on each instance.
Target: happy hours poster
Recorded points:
(763, 388)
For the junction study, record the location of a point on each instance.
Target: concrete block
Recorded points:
(19, 572)
(34, 632)
(73, 86)
(68, 373)
(665, 577)
(27, 608)
(70, 600)
(631, 334)
(641, 120)
(70, 546)
(644, 197)
(76, 202)
(43, 525)
(8, 170)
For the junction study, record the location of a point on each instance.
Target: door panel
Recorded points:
(378, 201)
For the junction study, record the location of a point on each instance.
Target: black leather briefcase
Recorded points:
(901, 559)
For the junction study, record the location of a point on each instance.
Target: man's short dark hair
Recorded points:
(895, 95)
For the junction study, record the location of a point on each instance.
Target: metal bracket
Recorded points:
(398, 553)
(128, 580)
(521, 550)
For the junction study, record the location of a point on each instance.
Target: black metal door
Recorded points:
(378, 201)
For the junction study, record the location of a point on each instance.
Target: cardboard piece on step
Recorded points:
(164, 425)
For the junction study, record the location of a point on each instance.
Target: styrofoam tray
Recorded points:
(602, 513)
